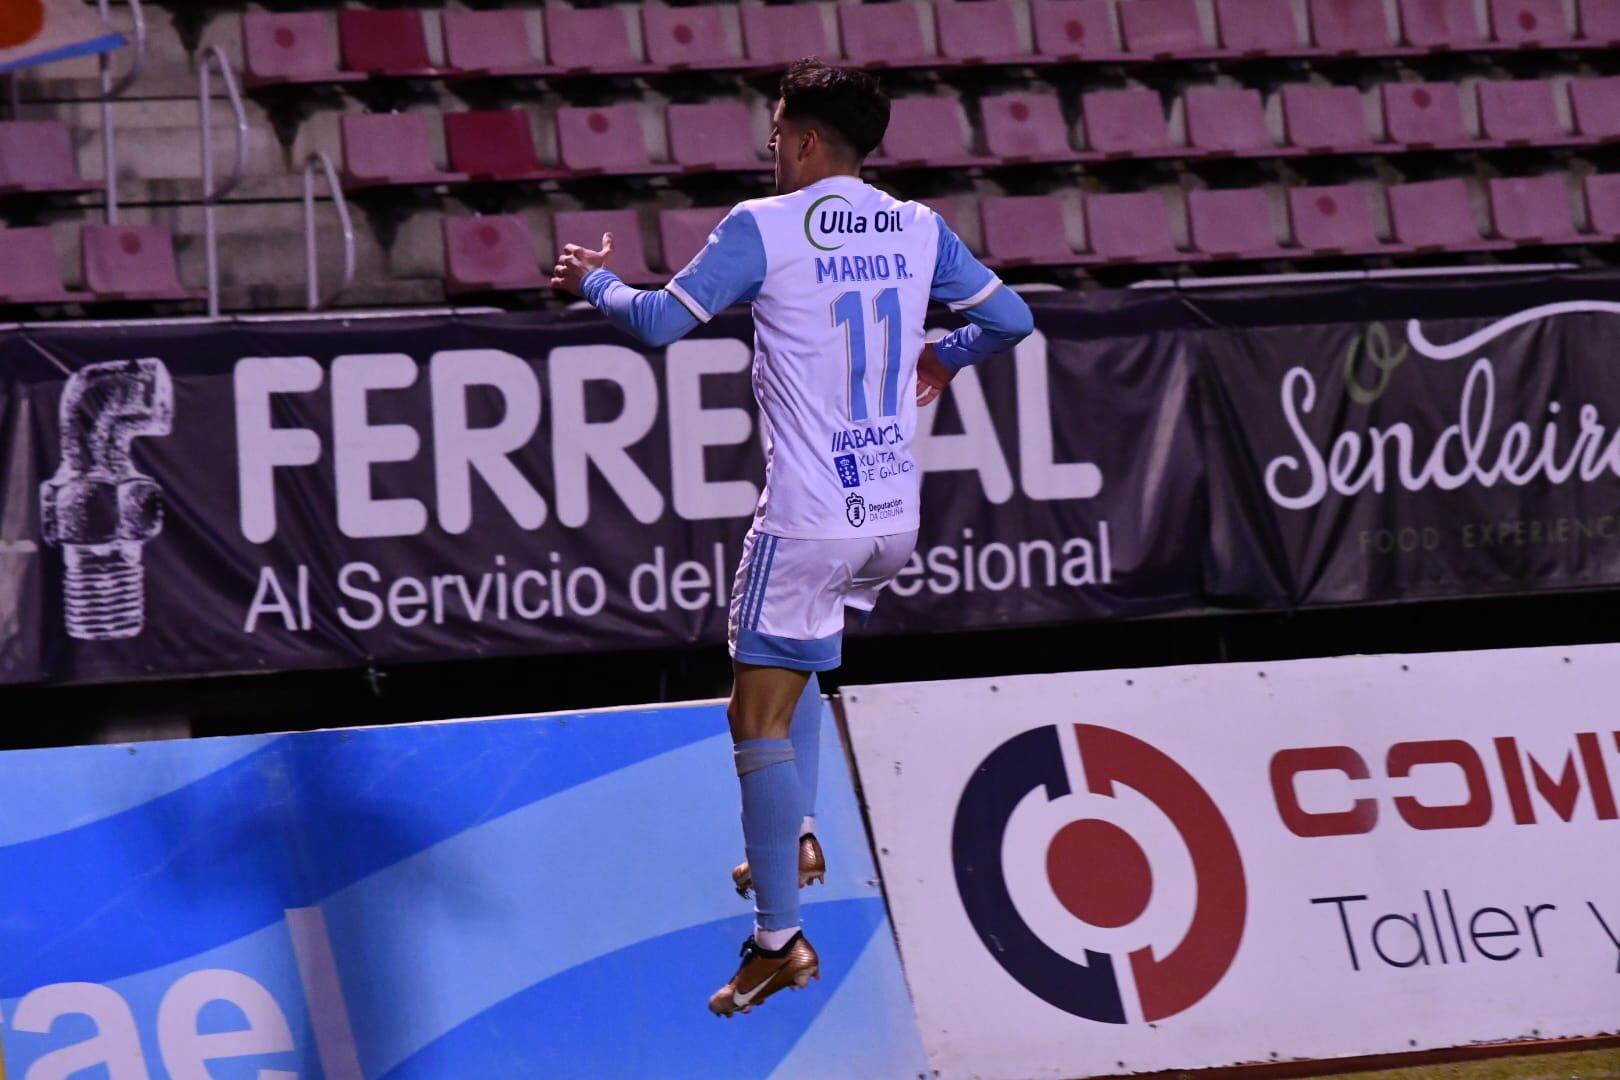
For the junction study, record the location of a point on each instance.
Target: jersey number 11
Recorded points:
(847, 312)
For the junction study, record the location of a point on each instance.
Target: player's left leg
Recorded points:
(804, 732)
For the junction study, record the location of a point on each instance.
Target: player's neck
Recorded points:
(830, 174)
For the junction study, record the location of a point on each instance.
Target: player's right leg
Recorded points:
(804, 732)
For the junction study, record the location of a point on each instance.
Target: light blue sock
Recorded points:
(770, 817)
(806, 736)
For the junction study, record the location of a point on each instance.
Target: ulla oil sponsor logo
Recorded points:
(832, 218)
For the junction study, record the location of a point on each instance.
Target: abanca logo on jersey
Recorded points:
(830, 221)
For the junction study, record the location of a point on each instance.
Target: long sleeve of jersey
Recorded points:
(731, 267)
(998, 317)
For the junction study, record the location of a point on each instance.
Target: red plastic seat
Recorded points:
(780, 34)
(604, 140)
(927, 131)
(384, 41)
(1438, 25)
(1603, 202)
(1224, 120)
(1125, 123)
(291, 47)
(495, 42)
(29, 272)
(983, 31)
(713, 136)
(1528, 23)
(382, 149)
(1520, 112)
(1258, 28)
(1435, 215)
(1074, 29)
(37, 156)
(884, 35)
(1323, 119)
(491, 253)
(1162, 29)
(494, 144)
(1350, 27)
(1533, 209)
(1025, 230)
(1596, 104)
(1025, 127)
(590, 39)
(1335, 220)
(585, 227)
(1600, 22)
(1424, 115)
(132, 262)
(683, 233)
(1130, 227)
(690, 37)
(1232, 224)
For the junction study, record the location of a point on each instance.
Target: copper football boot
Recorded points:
(812, 867)
(764, 973)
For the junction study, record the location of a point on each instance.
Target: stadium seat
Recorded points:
(389, 149)
(494, 144)
(1258, 28)
(29, 272)
(604, 140)
(132, 262)
(1162, 29)
(1533, 209)
(983, 31)
(950, 211)
(1227, 120)
(580, 40)
(1603, 203)
(885, 35)
(1125, 123)
(291, 47)
(1600, 22)
(1520, 112)
(1438, 25)
(1596, 104)
(1528, 23)
(683, 233)
(1325, 119)
(1130, 227)
(585, 227)
(712, 137)
(491, 253)
(697, 37)
(1351, 27)
(37, 156)
(1025, 127)
(493, 43)
(1232, 224)
(385, 41)
(1025, 230)
(1424, 115)
(1334, 220)
(1075, 30)
(927, 131)
(1435, 215)
(780, 34)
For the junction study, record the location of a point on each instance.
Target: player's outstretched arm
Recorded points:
(653, 317)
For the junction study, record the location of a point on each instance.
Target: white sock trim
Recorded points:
(771, 940)
(808, 825)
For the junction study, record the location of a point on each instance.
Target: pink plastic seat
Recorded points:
(680, 38)
(1600, 22)
(37, 156)
(291, 47)
(927, 131)
(780, 34)
(1232, 224)
(1130, 227)
(1074, 29)
(1025, 230)
(132, 262)
(1025, 127)
(1520, 112)
(590, 39)
(1162, 29)
(585, 227)
(1424, 115)
(884, 35)
(491, 253)
(382, 149)
(1533, 209)
(1596, 104)
(1435, 215)
(983, 31)
(494, 42)
(1335, 220)
(384, 41)
(683, 233)
(1603, 202)
(1223, 120)
(1437, 25)
(949, 209)
(713, 136)
(1323, 119)
(1528, 23)
(1350, 27)
(1258, 28)
(1125, 123)
(29, 272)
(604, 140)
(493, 144)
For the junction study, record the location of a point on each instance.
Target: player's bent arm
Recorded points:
(995, 326)
(652, 316)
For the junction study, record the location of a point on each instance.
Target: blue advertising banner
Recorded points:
(542, 896)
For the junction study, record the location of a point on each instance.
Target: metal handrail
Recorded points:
(110, 90)
(212, 56)
(311, 262)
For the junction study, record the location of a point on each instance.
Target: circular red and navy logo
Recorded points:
(1099, 873)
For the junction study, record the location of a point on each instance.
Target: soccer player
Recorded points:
(840, 276)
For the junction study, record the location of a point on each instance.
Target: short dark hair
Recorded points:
(846, 103)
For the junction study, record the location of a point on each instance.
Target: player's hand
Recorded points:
(932, 376)
(576, 261)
